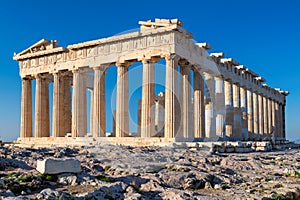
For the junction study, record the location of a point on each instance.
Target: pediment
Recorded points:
(41, 45)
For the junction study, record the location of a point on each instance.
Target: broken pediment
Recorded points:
(41, 45)
(40, 48)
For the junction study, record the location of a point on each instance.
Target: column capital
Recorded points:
(41, 76)
(169, 57)
(27, 78)
(150, 60)
(101, 67)
(79, 69)
(219, 77)
(123, 64)
(208, 75)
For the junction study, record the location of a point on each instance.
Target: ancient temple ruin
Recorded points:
(225, 100)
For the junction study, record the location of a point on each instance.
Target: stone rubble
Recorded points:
(123, 172)
(57, 166)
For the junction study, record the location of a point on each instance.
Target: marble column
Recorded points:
(229, 109)
(266, 119)
(122, 113)
(91, 91)
(186, 102)
(26, 108)
(274, 116)
(269, 102)
(79, 108)
(114, 123)
(255, 117)
(260, 116)
(283, 121)
(99, 105)
(210, 110)
(280, 121)
(250, 114)
(199, 106)
(58, 106)
(147, 113)
(160, 114)
(139, 117)
(244, 109)
(237, 125)
(67, 104)
(277, 121)
(41, 128)
(171, 93)
(220, 107)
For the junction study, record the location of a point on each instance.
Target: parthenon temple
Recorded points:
(206, 96)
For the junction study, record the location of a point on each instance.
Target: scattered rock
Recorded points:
(67, 179)
(49, 194)
(121, 172)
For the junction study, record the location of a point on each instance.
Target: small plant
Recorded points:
(106, 168)
(279, 159)
(25, 178)
(268, 179)
(297, 174)
(12, 174)
(186, 169)
(103, 178)
(48, 177)
(277, 196)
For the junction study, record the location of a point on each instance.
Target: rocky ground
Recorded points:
(122, 172)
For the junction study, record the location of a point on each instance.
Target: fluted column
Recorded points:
(186, 101)
(91, 110)
(99, 105)
(269, 102)
(220, 107)
(139, 117)
(244, 109)
(41, 128)
(79, 115)
(283, 121)
(171, 101)
(261, 116)
(266, 117)
(277, 120)
(58, 106)
(274, 115)
(26, 108)
(199, 106)
(250, 114)
(114, 123)
(229, 109)
(122, 115)
(147, 113)
(210, 110)
(67, 104)
(255, 117)
(160, 114)
(280, 121)
(237, 125)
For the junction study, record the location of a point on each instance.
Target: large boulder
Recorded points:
(57, 166)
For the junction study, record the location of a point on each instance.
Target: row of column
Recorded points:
(248, 114)
(224, 109)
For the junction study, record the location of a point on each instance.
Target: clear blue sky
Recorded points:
(263, 35)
